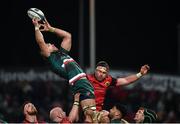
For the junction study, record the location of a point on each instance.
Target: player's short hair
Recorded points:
(103, 64)
(122, 108)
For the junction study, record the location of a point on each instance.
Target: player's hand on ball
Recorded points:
(45, 26)
(35, 22)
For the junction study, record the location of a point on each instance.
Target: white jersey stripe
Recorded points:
(75, 78)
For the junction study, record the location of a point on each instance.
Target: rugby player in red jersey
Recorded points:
(30, 114)
(101, 80)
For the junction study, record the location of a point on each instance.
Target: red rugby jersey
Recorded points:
(99, 89)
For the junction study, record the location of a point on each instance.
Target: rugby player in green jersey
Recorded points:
(65, 66)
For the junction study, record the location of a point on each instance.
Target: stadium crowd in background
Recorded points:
(58, 94)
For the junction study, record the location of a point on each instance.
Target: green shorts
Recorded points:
(84, 87)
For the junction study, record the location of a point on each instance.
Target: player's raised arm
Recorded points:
(40, 39)
(66, 36)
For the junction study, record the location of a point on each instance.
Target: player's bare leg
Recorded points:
(90, 113)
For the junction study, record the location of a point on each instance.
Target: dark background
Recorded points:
(128, 33)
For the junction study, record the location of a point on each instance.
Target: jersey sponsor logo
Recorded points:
(107, 83)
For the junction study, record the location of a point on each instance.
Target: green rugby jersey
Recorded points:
(72, 72)
(56, 62)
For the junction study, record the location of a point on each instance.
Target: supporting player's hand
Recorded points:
(144, 69)
(76, 97)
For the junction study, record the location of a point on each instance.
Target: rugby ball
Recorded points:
(36, 13)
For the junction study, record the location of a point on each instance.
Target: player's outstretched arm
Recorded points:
(130, 79)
